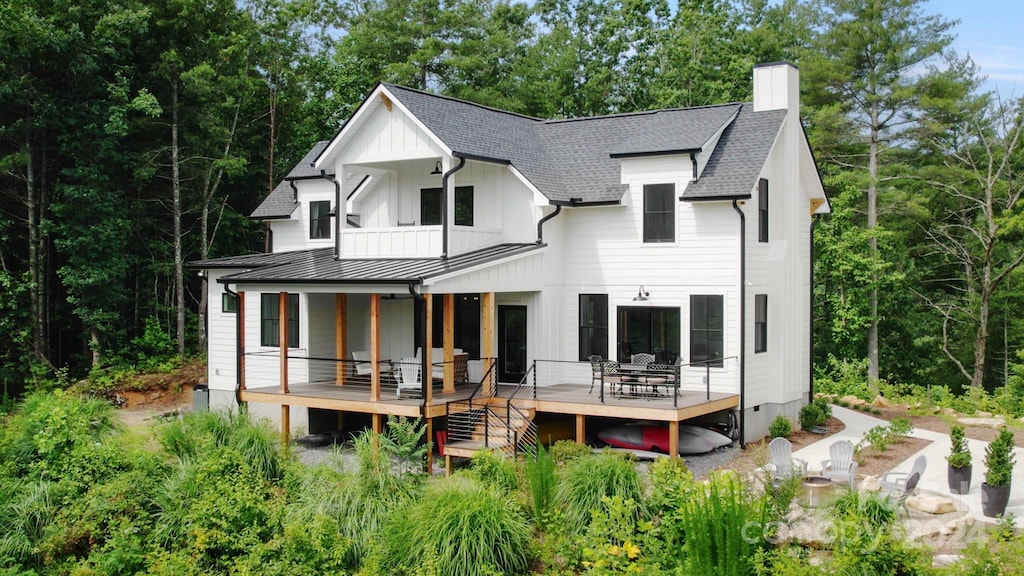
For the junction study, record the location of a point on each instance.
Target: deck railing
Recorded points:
(610, 383)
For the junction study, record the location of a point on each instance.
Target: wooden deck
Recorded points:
(572, 399)
(356, 398)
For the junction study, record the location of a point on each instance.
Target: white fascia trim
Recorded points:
(371, 102)
(437, 279)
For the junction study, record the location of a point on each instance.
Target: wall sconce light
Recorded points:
(437, 169)
(641, 295)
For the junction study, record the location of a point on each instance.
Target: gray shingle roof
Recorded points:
(280, 202)
(734, 167)
(319, 265)
(564, 159)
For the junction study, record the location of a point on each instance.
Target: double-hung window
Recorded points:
(707, 325)
(760, 323)
(319, 219)
(762, 210)
(659, 213)
(593, 326)
(270, 320)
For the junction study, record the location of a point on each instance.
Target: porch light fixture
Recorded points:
(437, 168)
(641, 295)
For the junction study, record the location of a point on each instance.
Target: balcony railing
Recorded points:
(413, 241)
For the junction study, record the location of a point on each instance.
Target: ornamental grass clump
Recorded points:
(459, 526)
(723, 524)
(586, 480)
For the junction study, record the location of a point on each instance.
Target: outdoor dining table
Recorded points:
(635, 376)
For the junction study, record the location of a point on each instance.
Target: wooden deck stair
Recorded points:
(498, 430)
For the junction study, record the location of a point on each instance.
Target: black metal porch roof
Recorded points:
(320, 267)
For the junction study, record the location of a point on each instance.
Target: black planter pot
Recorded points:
(994, 499)
(959, 479)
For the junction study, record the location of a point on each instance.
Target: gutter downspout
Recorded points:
(810, 328)
(693, 160)
(425, 374)
(444, 210)
(743, 324)
(540, 225)
(337, 212)
(238, 350)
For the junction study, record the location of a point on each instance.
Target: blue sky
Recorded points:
(992, 32)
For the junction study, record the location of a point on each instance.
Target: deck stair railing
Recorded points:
(484, 421)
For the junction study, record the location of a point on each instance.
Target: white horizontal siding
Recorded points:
(221, 336)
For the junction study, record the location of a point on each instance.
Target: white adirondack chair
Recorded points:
(782, 464)
(841, 465)
(409, 376)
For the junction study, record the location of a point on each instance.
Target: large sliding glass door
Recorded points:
(649, 329)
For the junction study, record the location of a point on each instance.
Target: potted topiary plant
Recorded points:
(959, 472)
(995, 490)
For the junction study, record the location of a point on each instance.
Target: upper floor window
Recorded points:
(762, 210)
(270, 324)
(707, 326)
(659, 213)
(593, 325)
(760, 323)
(319, 219)
(431, 209)
(228, 303)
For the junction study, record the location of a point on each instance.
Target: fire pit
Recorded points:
(816, 491)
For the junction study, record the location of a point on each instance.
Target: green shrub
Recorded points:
(824, 407)
(565, 451)
(780, 427)
(585, 481)
(470, 529)
(495, 470)
(46, 428)
(811, 415)
(616, 543)
(200, 433)
(999, 459)
(959, 454)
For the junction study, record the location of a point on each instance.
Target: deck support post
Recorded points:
(581, 429)
(375, 348)
(430, 453)
(378, 423)
(488, 317)
(673, 439)
(285, 425)
(447, 465)
(340, 335)
(449, 343)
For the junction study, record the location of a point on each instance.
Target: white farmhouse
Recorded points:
(487, 270)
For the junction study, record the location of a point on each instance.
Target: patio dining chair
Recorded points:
(840, 465)
(656, 375)
(641, 358)
(595, 371)
(781, 464)
(612, 374)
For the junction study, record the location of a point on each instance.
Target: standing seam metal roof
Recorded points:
(319, 266)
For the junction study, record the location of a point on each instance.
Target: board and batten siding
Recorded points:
(221, 359)
(387, 135)
(605, 254)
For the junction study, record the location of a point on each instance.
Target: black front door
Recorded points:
(511, 343)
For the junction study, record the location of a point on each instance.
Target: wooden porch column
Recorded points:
(449, 343)
(581, 429)
(430, 453)
(282, 343)
(375, 350)
(488, 317)
(240, 318)
(673, 439)
(428, 346)
(282, 338)
(340, 335)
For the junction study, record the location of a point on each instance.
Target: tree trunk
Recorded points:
(179, 273)
(873, 368)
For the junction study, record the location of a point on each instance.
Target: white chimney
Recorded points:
(776, 87)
